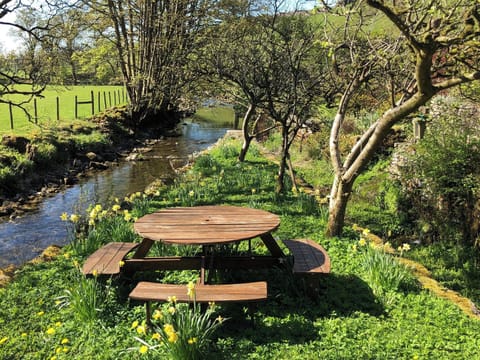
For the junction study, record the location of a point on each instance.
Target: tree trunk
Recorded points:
(281, 173)
(339, 196)
(247, 138)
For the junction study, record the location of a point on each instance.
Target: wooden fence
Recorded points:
(106, 98)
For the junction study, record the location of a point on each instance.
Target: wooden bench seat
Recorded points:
(309, 257)
(310, 261)
(106, 260)
(243, 292)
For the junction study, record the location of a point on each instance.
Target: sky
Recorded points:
(7, 42)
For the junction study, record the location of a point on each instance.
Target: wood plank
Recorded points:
(308, 256)
(106, 260)
(244, 292)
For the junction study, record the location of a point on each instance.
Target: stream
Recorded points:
(26, 237)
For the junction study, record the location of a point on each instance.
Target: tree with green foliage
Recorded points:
(269, 59)
(440, 48)
(155, 43)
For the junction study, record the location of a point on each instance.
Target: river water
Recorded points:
(26, 237)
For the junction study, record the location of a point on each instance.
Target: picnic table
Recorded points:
(206, 226)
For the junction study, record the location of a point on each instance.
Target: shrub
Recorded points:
(441, 179)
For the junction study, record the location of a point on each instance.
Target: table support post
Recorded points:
(272, 245)
(143, 249)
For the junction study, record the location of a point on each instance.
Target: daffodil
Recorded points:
(64, 216)
(58, 324)
(157, 315)
(191, 290)
(143, 349)
(40, 313)
(172, 299)
(115, 208)
(168, 328)
(3, 340)
(74, 218)
(362, 242)
(405, 247)
(65, 341)
(141, 329)
(191, 193)
(121, 263)
(192, 341)
(135, 324)
(95, 273)
(50, 331)
(173, 337)
(171, 310)
(156, 336)
(219, 319)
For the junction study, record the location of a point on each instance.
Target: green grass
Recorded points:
(46, 107)
(345, 319)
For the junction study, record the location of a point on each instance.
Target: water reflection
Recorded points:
(26, 237)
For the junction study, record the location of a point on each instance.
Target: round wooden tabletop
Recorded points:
(206, 225)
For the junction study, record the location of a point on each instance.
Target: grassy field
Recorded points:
(47, 106)
(368, 307)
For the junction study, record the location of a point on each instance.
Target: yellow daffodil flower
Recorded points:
(141, 329)
(157, 315)
(143, 349)
(173, 337)
(64, 216)
(191, 290)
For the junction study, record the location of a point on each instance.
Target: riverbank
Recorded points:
(42, 165)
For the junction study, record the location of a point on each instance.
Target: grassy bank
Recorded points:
(369, 307)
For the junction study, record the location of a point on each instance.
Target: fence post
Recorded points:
(11, 115)
(98, 100)
(76, 107)
(118, 94)
(58, 108)
(114, 97)
(110, 99)
(35, 110)
(92, 99)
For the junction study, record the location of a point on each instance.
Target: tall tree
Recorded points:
(440, 49)
(155, 41)
(270, 59)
